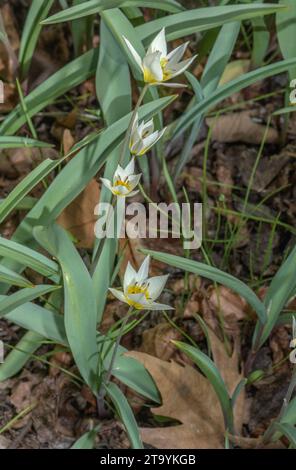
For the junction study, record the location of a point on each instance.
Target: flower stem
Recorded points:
(129, 129)
(102, 390)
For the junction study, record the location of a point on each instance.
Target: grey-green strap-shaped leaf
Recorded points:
(289, 431)
(23, 296)
(48, 324)
(82, 30)
(25, 186)
(37, 12)
(201, 19)
(211, 76)
(87, 441)
(231, 87)
(125, 413)
(56, 85)
(10, 277)
(286, 31)
(132, 373)
(40, 320)
(285, 110)
(18, 357)
(27, 257)
(216, 275)
(209, 369)
(278, 294)
(9, 142)
(96, 6)
(261, 38)
(79, 300)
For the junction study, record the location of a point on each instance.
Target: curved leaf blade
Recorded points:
(214, 274)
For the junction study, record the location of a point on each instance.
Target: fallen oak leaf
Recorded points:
(79, 217)
(187, 397)
(240, 127)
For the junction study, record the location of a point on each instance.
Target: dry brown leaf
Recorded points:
(200, 413)
(227, 304)
(188, 397)
(131, 253)
(234, 69)
(79, 217)
(156, 341)
(240, 127)
(68, 141)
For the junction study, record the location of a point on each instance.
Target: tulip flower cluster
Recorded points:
(158, 67)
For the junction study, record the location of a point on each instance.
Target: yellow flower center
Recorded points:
(166, 73)
(137, 289)
(148, 76)
(126, 184)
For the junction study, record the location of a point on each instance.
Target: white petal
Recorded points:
(179, 68)
(142, 274)
(133, 52)
(133, 193)
(129, 276)
(157, 306)
(158, 44)
(130, 168)
(152, 68)
(177, 54)
(118, 294)
(149, 141)
(136, 122)
(147, 128)
(156, 285)
(119, 173)
(294, 327)
(134, 180)
(136, 147)
(107, 183)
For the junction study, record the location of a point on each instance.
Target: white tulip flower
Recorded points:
(143, 136)
(124, 181)
(139, 291)
(158, 66)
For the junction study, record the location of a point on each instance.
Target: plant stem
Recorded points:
(270, 431)
(129, 129)
(102, 389)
